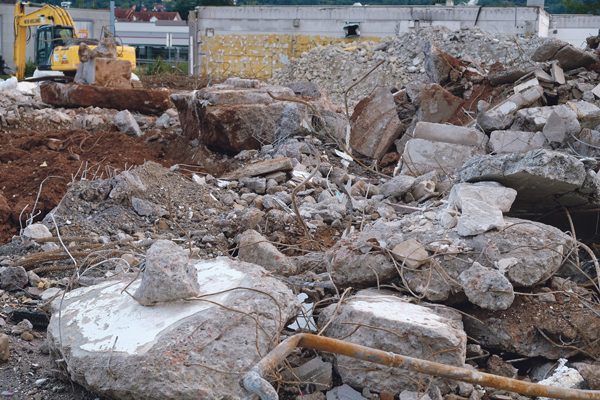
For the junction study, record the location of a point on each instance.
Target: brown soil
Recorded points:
(26, 160)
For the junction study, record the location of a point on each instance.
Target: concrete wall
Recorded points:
(155, 33)
(252, 41)
(574, 28)
(93, 20)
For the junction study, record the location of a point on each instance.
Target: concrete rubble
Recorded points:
(449, 216)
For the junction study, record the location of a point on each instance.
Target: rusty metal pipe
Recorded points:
(254, 380)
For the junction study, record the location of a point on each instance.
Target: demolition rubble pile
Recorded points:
(178, 282)
(334, 68)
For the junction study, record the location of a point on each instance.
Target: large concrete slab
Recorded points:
(144, 101)
(540, 177)
(375, 124)
(422, 156)
(408, 329)
(120, 349)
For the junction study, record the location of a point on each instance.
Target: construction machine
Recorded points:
(56, 41)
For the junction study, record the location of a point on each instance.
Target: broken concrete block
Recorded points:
(375, 124)
(538, 176)
(144, 101)
(411, 253)
(557, 74)
(4, 347)
(497, 366)
(397, 186)
(305, 89)
(147, 209)
(257, 185)
(526, 85)
(589, 372)
(492, 193)
(169, 351)
(417, 332)
(588, 113)
(437, 63)
(555, 129)
(543, 76)
(477, 217)
(435, 104)
(422, 156)
(169, 276)
(232, 118)
(109, 72)
(126, 123)
(563, 377)
(256, 249)
(520, 100)
(449, 134)
(261, 168)
(569, 56)
(13, 278)
(316, 371)
(424, 190)
(499, 74)
(534, 119)
(494, 120)
(37, 231)
(487, 288)
(412, 395)
(344, 392)
(515, 141)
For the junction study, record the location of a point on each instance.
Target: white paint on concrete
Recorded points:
(105, 316)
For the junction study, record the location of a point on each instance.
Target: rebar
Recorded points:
(255, 383)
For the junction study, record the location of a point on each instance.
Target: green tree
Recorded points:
(79, 4)
(95, 5)
(582, 6)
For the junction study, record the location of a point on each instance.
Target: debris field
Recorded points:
(420, 222)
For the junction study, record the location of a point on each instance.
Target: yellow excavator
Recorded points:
(56, 41)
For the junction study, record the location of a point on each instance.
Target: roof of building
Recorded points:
(128, 15)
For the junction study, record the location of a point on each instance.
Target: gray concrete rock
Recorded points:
(437, 67)
(162, 351)
(126, 123)
(497, 366)
(541, 177)
(412, 395)
(492, 193)
(555, 129)
(494, 120)
(257, 185)
(4, 347)
(417, 331)
(449, 134)
(146, 208)
(422, 156)
(256, 249)
(534, 119)
(478, 217)
(526, 252)
(37, 231)
(515, 141)
(13, 278)
(315, 371)
(308, 89)
(487, 288)
(344, 392)
(169, 276)
(411, 253)
(569, 56)
(375, 124)
(397, 186)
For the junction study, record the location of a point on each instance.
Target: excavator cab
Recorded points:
(47, 39)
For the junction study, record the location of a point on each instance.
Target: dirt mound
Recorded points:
(60, 157)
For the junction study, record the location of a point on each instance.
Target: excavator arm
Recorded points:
(45, 15)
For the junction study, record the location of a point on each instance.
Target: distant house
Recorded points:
(129, 15)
